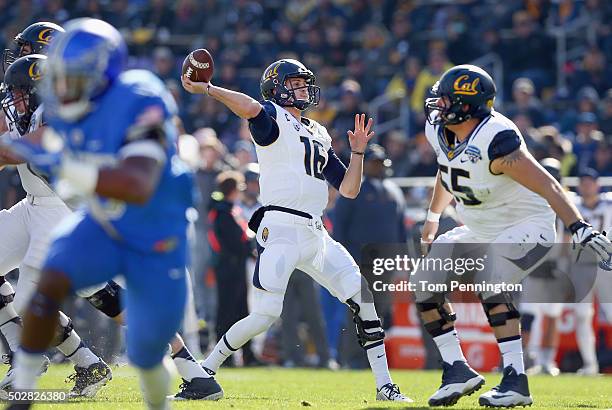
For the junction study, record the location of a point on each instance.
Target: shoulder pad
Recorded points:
(270, 108)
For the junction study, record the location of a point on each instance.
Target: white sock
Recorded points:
(240, 333)
(186, 365)
(154, 383)
(27, 367)
(449, 347)
(82, 356)
(10, 322)
(378, 362)
(73, 347)
(377, 356)
(219, 353)
(512, 354)
(585, 337)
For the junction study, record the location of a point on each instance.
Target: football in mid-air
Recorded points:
(199, 65)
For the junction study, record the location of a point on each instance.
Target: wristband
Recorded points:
(432, 216)
(81, 175)
(357, 153)
(577, 225)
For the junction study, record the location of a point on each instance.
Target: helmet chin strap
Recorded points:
(293, 100)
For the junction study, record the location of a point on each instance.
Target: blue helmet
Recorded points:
(82, 63)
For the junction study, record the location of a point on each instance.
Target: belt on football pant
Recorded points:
(287, 211)
(305, 218)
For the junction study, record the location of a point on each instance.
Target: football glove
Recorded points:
(585, 237)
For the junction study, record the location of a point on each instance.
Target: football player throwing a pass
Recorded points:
(296, 163)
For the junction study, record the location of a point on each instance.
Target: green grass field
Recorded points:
(274, 388)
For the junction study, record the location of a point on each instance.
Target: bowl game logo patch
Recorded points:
(264, 234)
(473, 154)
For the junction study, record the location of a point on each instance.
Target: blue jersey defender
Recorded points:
(112, 141)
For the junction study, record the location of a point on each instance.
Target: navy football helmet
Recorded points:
(273, 86)
(34, 39)
(20, 89)
(82, 63)
(467, 91)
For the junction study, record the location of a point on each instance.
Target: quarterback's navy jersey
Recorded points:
(136, 107)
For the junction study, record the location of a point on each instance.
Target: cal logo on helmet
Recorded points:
(34, 71)
(272, 72)
(463, 85)
(467, 91)
(45, 36)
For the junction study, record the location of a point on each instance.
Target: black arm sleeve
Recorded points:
(264, 128)
(334, 169)
(504, 143)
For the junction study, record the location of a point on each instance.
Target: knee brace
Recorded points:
(7, 294)
(107, 300)
(64, 328)
(500, 319)
(436, 302)
(361, 325)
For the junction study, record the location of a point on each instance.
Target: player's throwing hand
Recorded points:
(194, 87)
(359, 138)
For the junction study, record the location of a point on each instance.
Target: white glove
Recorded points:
(586, 237)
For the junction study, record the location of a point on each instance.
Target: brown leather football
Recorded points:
(199, 65)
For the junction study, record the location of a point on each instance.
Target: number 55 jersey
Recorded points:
(487, 203)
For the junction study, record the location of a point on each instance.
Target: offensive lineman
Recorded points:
(296, 160)
(27, 225)
(504, 197)
(27, 119)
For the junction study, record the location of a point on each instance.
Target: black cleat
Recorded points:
(458, 380)
(87, 381)
(513, 390)
(19, 406)
(391, 392)
(199, 388)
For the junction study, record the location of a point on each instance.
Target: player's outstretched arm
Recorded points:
(133, 180)
(8, 157)
(358, 140)
(240, 104)
(524, 169)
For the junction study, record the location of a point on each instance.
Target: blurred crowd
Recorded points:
(374, 56)
(363, 49)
